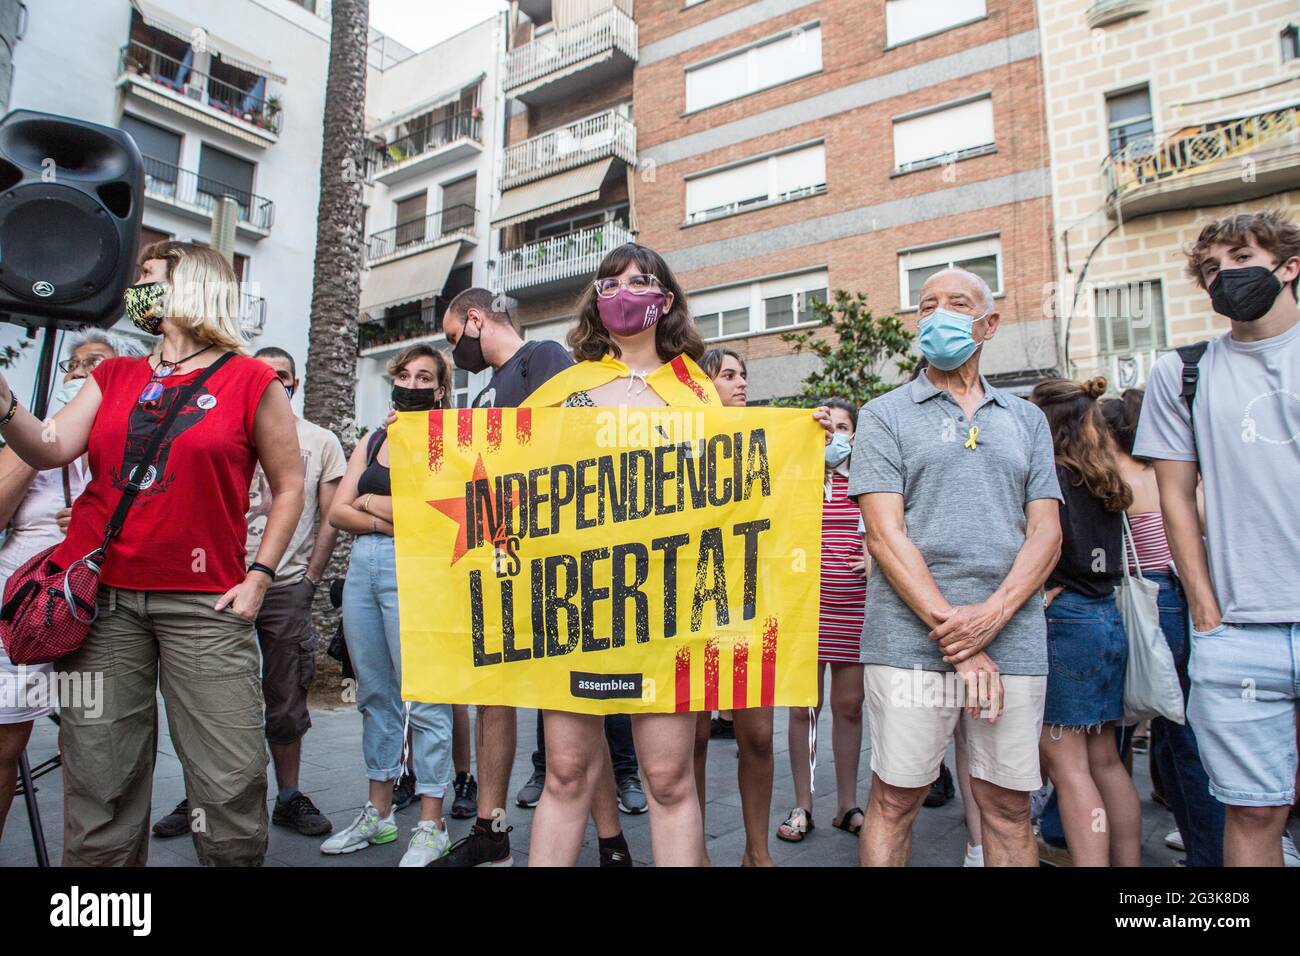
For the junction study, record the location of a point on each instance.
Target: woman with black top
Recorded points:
(363, 506)
(1087, 649)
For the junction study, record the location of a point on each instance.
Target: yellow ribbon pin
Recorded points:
(972, 438)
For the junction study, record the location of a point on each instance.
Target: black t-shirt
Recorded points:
(527, 369)
(1092, 541)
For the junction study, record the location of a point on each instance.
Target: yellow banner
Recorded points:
(609, 560)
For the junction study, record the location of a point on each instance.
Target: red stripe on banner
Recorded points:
(524, 426)
(740, 675)
(494, 429)
(684, 376)
(769, 662)
(435, 440)
(464, 427)
(683, 679)
(711, 674)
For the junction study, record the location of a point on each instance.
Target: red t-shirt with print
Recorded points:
(186, 529)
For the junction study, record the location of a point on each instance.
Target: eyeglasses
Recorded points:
(72, 364)
(637, 285)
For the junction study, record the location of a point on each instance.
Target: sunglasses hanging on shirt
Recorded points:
(153, 389)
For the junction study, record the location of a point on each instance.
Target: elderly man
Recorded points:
(958, 490)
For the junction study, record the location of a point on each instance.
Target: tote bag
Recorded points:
(1151, 687)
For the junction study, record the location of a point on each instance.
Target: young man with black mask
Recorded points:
(1230, 416)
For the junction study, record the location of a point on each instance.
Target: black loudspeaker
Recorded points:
(71, 198)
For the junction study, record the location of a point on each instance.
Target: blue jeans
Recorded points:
(370, 627)
(1087, 651)
(618, 733)
(1174, 748)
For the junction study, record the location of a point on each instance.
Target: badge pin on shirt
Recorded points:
(972, 438)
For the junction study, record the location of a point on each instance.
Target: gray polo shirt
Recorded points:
(964, 508)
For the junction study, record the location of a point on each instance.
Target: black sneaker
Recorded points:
(942, 790)
(404, 791)
(175, 823)
(465, 806)
(301, 814)
(615, 857)
(479, 848)
(720, 729)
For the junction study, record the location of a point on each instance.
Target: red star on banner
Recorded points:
(454, 508)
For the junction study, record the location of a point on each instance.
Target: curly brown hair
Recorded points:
(675, 333)
(1080, 438)
(1272, 230)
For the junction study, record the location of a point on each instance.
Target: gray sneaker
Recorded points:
(531, 792)
(631, 798)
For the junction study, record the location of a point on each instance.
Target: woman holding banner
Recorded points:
(753, 725)
(636, 346)
(363, 506)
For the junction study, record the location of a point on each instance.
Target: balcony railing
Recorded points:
(252, 313)
(605, 134)
(612, 29)
(453, 128)
(179, 77)
(444, 224)
(560, 257)
(182, 186)
(409, 326)
(1145, 162)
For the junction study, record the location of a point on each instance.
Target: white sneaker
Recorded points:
(427, 844)
(369, 827)
(974, 855)
(1290, 856)
(1174, 840)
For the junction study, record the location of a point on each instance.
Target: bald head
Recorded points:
(960, 291)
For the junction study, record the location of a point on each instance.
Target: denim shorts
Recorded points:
(1087, 651)
(1245, 689)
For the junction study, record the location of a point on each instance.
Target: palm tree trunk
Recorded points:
(330, 399)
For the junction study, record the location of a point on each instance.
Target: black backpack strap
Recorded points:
(155, 442)
(373, 443)
(1191, 356)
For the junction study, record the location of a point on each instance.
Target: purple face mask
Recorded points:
(626, 314)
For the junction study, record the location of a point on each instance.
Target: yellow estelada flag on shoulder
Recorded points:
(677, 382)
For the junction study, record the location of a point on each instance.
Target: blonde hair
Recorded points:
(202, 294)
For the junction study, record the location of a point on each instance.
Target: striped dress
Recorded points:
(1150, 542)
(843, 591)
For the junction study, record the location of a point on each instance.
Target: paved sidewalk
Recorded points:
(333, 777)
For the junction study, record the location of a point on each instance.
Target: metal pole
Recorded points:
(33, 811)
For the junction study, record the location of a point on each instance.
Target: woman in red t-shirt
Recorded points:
(176, 603)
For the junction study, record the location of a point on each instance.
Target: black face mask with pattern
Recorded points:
(144, 305)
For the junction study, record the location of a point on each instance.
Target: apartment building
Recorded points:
(434, 132)
(775, 151)
(1162, 116)
(223, 100)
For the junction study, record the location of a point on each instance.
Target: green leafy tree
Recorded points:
(855, 355)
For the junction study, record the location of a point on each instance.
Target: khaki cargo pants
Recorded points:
(210, 672)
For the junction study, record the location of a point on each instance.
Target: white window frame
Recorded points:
(946, 254)
(752, 295)
(891, 43)
(772, 160)
(1103, 348)
(952, 156)
(754, 80)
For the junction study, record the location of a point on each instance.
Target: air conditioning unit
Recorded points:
(194, 93)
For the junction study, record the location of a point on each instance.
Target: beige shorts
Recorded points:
(913, 714)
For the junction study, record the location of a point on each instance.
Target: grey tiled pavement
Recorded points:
(333, 777)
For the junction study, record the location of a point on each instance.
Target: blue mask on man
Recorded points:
(946, 340)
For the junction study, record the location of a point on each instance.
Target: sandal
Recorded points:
(798, 822)
(843, 823)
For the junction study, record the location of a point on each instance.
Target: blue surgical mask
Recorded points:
(946, 340)
(837, 449)
(68, 390)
